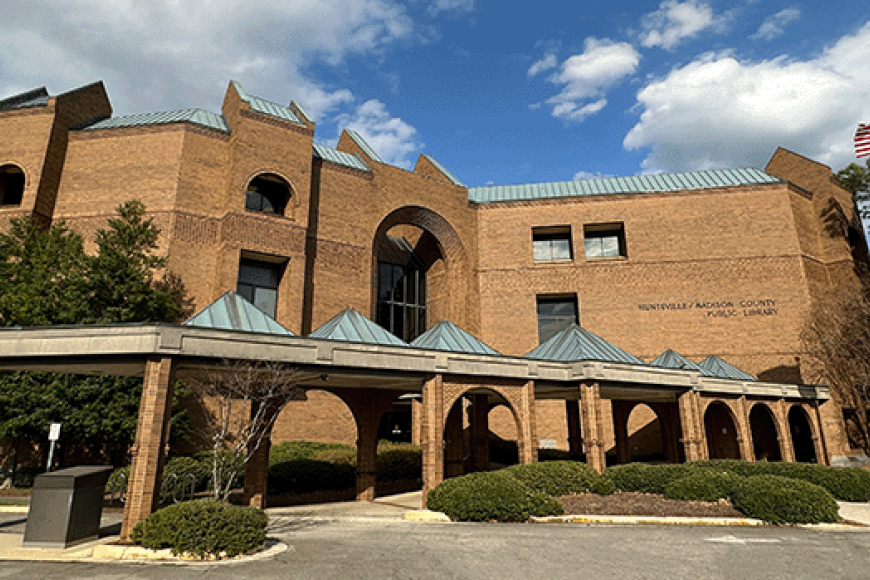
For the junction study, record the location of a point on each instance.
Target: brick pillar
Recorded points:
(479, 433)
(454, 441)
(692, 427)
(786, 447)
(257, 467)
(152, 434)
(822, 457)
(575, 436)
(744, 432)
(368, 418)
(416, 416)
(591, 425)
(528, 438)
(621, 411)
(432, 432)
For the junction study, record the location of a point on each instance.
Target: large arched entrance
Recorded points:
(801, 435)
(418, 266)
(764, 434)
(721, 432)
(469, 445)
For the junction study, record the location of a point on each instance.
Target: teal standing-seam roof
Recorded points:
(302, 111)
(351, 326)
(267, 107)
(34, 98)
(447, 336)
(578, 344)
(367, 149)
(716, 367)
(351, 160)
(662, 182)
(442, 169)
(195, 116)
(234, 312)
(673, 360)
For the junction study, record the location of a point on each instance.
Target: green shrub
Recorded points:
(781, 500)
(302, 450)
(184, 476)
(706, 485)
(206, 459)
(646, 478)
(307, 475)
(117, 483)
(483, 497)
(555, 477)
(602, 485)
(203, 528)
(399, 461)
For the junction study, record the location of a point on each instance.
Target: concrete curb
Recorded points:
(427, 516)
(648, 520)
(14, 509)
(140, 554)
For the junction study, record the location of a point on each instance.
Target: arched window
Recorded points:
(11, 185)
(267, 193)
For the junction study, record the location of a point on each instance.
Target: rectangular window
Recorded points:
(604, 241)
(258, 284)
(552, 244)
(555, 314)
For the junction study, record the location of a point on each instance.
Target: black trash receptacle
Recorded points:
(65, 507)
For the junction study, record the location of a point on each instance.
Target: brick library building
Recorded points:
(646, 317)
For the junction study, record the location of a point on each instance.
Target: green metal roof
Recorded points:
(447, 336)
(443, 170)
(302, 111)
(267, 107)
(351, 160)
(351, 326)
(35, 98)
(195, 116)
(716, 367)
(578, 344)
(674, 360)
(367, 149)
(233, 312)
(691, 180)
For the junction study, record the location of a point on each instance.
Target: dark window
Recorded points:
(555, 314)
(11, 185)
(604, 241)
(258, 283)
(552, 244)
(401, 297)
(267, 193)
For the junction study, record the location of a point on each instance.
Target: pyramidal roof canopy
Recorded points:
(351, 326)
(673, 360)
(716, 367)
(576, 344)
(447, 336)
(233, 312)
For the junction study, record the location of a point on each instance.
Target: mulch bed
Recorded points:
(645, 504)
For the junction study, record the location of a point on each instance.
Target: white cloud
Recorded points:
(675, 21)
(168, 54)
(549, 61)
(450, 6)
(772, 25)
(583, 175)
(391, 137)
(588, 75)
(718, 111)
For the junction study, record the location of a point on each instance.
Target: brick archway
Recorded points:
(721, 429)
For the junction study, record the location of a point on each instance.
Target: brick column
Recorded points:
(575, 437)
(590, 423)
(416, 415)
(621, 411)
(744, 432)
(479, 433)
(432, 429)
(454, 441)
(528, 438)
(818, 438)
(257, 467)
(786, 446)
(152, 433)
(692, 427)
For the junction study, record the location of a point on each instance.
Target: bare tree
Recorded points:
(240, 402)
(836, 340)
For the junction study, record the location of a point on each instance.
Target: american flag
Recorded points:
(862, 141)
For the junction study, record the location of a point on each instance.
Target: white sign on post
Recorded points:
(54, 432)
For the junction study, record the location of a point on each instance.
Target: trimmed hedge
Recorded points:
(781, 500)
(398, 462)
(488, 496)
(203, 528)
(307, 475)
(644, 478)
(705, 485)
(555, 477)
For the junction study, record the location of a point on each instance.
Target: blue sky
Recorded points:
(499, 92)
